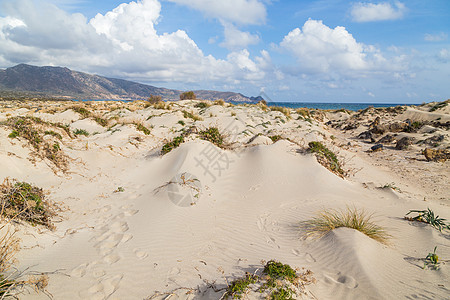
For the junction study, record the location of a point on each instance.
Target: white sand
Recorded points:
(131, 244)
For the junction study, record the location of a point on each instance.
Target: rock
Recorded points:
(434, 140)
(376, 122)
(376, 148)
(438, 155)
(387, 139)
(404, 143)
(366, 135)
(351, 126)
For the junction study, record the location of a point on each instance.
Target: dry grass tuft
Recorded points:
(353, 218)
(9, 246)
(23, 201)
(284, 110)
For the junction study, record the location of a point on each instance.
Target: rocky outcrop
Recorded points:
(404, 143)
(437, 155)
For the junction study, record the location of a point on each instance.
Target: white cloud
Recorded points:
(368, 12)
(320, 49)
(435, 37)
(236, 11)
(122, 42)
(444, 55)
(236, 39)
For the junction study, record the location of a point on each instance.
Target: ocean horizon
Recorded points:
(327, 105)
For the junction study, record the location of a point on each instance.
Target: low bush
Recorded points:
(202, 105)
(176, 142)
(213, 135)
(284, 110)
(190, 95)
(80, 132)
(153, 99)
(326, 157)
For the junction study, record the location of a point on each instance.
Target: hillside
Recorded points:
(63, 82)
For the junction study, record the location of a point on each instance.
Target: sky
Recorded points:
(296, 51)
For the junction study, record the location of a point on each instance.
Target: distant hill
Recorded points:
(63, 82)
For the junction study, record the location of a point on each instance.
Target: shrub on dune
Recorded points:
(353, 218)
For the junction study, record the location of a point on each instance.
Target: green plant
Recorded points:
(326, 157)
(391, 186)
(119, 190)
(190, 115)
(13, 134)
(101, 121)
(427, 216)
(21, 200)
(438, 106)
(52, 133)
(176, 142)
(142, 128)
(282, 293)
(181, 122)
(329, 220)
(81, 110)
(239, 287)
(81, 132)
(202, 105)
(275, 138)
(190, 95)
(432, 260)
(279, 271)
(212, 135)
(219, 102)
(154, 99)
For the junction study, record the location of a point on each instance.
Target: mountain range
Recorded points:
(61, 82)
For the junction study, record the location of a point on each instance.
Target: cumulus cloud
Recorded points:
(236, 39)
(368, 12)
(435, 37)
(236, 11)
(123, 42)
(320, 49)
(444, 55)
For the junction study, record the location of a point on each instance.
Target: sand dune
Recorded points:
(200, 216)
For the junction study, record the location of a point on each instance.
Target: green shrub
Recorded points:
(202, 105)
(428, 216)
(142, 128)
(23, 201)
(176, 142)
(190, 115)
(239, 287)
(154, 99)
(181, 122)
(326, 157)
(52, 133)
(13, 134)
(212, 135)
(190, 95)
(101, 121)
(81, 110)
(81, 132)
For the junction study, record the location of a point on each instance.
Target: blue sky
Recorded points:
(306, 51)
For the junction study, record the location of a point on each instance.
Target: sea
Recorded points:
(322, 105)
(314, 105)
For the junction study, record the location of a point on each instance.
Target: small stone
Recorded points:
(376, 148)
(404, 143)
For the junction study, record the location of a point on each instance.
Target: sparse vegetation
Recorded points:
(119, 190)
(428, 216)
(190, 115)
(439, 105)
(181, 122)
(100, 121)
(284, 110)
(219, 102)
(153, 99)
(52, 133)
(329, 220)
(175, 143)
(142, 128)
(202, 105)
(82, 111)
(326, 157)
(80, 132)
(190, 95)
(23, 201)
(212, 135)
(275, 138)
(432, 260)
(278, 281)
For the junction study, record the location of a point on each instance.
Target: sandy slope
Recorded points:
(158, 236)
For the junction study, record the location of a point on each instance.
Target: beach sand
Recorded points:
(135, 224)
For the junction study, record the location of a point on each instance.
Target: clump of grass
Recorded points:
(100, 121)
(275, 138)
(190, 115)
(391, 186)
(438, 106)
(303, 113)
(9, 246)
(219, 102)
(142, 128)
(428, 216)
(326, 157)
(80, 132)
(13, 134)
(176, 142)
(160, 105)
(213, 135)
(239, 287)
(329, 220)
(284, 110)
(202, 105)
(28, 128)
(23, 201)
(52, 133)
(154, 99)
(82, 111)
(181, 122)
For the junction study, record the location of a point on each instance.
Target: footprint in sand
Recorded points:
(79, 271)
(130, 212)
(307, 256)
(111, 258)
(140, 253)
(347, 281)
(126, 237)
